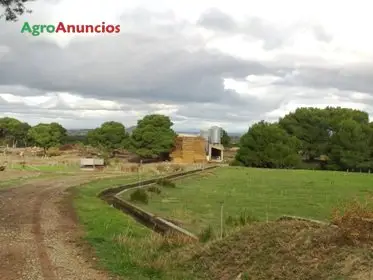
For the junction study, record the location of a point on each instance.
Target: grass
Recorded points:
(46, 168)
(128, 249)
(264, 194)
(123, 246)
(34, 172)
(281, 251)
(14, 182)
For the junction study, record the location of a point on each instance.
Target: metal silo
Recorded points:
(215, 135)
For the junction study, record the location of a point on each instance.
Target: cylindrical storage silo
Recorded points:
(215, 135)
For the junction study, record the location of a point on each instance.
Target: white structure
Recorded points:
(214, 148)
(91, 163)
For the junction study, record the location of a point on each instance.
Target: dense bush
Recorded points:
(236, 163)
(332, 138)
(53, 152)
(154, 189)
(139, 195)
(267, 145)
(244, 218)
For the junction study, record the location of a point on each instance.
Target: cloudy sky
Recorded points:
(205, 62)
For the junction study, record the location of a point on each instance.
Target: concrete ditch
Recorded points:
(297, 218)
(157, 224)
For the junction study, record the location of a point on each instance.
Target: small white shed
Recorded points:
(91, 163)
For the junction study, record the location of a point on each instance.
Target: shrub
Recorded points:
(206, 234)
(139, 195)
(244, 218)
(166, 183)
(53, 152)
(154, 189)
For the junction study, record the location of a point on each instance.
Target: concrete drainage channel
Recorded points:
(158, 224)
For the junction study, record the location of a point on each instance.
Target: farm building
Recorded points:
(215, 152)
(189, 149)
(201, 148)
(91, 163)
(214, 148)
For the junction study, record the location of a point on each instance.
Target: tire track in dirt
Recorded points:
(37, 239)
(45, 262)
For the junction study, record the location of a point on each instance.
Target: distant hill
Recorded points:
(77, 132)
(130, 129)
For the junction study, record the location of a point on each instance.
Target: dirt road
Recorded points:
(38, 233)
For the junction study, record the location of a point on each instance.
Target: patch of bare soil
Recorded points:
(283, 250)
(38, 233)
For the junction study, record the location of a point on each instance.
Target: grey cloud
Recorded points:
(164, 63)
(20, 90)
(273, 37)
(75, 117)
(217, 20)
(154, 67)
(352, 77)
(321, 34)
(253, 27)
(226, 113)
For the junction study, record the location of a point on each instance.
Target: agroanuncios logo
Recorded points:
(37, 29)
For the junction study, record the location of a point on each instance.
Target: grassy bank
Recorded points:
(123, 246)
(128, 249)
(264, 194)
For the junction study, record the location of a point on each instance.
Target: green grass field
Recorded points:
(122, 245)
(126, 248)
(263, 193)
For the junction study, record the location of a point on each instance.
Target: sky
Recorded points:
(203, 63)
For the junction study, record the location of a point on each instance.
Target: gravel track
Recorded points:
(39, 233)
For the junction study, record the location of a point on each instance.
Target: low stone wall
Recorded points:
(110, 195)
(297, 218)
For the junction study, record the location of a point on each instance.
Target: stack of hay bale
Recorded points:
(176, 154)
(199, 150)
(189, 150)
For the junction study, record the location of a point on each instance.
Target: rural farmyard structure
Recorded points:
(191, 148)
(91, 163)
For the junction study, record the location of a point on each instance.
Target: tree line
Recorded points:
(330, 138)
(153, 137)
(333, 138)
